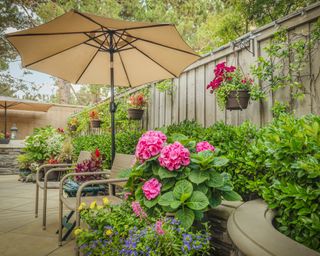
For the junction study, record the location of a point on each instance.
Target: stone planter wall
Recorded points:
(8, 157)
(245, 229)
(218, 218)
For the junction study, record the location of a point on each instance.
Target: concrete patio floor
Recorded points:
(20, 232)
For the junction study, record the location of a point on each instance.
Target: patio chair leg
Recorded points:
(44, 215)
(37, 201)
(60, 221)
(76, 249)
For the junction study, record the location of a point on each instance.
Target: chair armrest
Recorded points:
(77, 174)
(95, 182)
(41, 168)
(55, 170)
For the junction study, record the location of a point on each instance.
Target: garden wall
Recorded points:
(26, 121)
(190, 100)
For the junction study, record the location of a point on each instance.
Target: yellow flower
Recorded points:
(99, 207)
(105, 201)
(77, 231)
(108, 232)
(82, 206)
(93, 205)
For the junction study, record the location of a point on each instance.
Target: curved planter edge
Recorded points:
(251, 230)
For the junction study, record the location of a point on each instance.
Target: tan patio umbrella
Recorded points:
(17, 104)
(89, 49)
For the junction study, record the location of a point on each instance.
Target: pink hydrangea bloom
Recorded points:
(204, 145)
(137, 209)
(174, 156)
(159, 228)
(151, 188)
(156, 134)
(149, 145)
(126, 195)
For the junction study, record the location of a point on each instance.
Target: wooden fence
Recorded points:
(190, 99)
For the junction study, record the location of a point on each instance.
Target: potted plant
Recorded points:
(73, 124)
(179, 176)
(94, 119)
(231, 87)
(136, 103)
(66, 152)
(4, 138)
(24, 162)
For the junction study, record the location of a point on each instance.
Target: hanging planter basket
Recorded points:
(96, 123)
(135, 114)
(238, 100)
(4, 141)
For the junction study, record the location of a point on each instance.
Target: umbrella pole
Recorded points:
(5, 118)
(112, 104)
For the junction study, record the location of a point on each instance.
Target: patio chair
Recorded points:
(121, 162)
(44, 182)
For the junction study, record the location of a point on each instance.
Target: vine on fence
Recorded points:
(285, 63)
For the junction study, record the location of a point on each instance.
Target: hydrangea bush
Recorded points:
(127, 230)
(176, 175)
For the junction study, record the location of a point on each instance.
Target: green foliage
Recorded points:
(43, 144)
(116, 230)
(125, 143)
(291, 150)
(279, 162)
(188, 128)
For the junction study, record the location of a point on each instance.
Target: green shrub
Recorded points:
(191, 129)
(234, 143)
(291, 149)
(43, 144)
(125, 143)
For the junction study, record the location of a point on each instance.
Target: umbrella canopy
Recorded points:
(89, 49)
(17, 104)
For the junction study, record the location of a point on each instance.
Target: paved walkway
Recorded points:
(20, 232)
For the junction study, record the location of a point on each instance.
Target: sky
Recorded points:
(46, 81)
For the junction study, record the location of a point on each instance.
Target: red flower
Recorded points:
(97, 153)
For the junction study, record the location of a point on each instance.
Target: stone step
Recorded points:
(8, 171)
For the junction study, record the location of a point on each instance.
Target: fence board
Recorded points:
(162, 108)
(210, 99)
(315, 80)
(168, 108)
(183, 98)
(191, 95)
(200, 95)
(175, 102)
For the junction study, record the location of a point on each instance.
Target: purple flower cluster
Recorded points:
(194, 242)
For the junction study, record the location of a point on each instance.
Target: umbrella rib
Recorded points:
(85, 69)
(90, 19)
(126, 45)
(54, 54)
(163, 45)
(142, 27)
(124, 68)
(149, 57)
(53, 34)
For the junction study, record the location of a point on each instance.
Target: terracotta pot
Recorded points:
(96, 123)
(238, 100)
(4, 141)
(135, 114)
